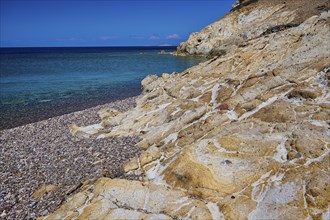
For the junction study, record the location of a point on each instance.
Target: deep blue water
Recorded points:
(38, 83)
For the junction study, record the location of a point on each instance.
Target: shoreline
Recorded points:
(45, 153)
(10, 120)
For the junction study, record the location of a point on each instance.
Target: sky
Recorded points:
(56, 23)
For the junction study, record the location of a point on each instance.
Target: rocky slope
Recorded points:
(242, 135)
(248, 20)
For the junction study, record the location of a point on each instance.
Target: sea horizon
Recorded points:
(7, 49)
(42, 82)
(121, 46)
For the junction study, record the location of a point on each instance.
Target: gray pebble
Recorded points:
(44, 153)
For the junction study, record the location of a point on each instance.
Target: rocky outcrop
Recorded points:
(249, 19)
(241, 3)
(242, 135)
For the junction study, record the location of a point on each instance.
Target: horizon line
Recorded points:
(91, 46)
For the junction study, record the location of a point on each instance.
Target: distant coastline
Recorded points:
(42, 82)
(87, 49)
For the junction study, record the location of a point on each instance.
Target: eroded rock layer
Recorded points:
(250, 19)
(242, 135)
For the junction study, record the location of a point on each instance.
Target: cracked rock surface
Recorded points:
(242, 135)
(251, 20)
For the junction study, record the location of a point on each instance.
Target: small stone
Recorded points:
(97, 162)
(223, 107)
(3, 214)
(7, 196)
(44, 213)
(227, 162)
(106, 173)
(131, 165)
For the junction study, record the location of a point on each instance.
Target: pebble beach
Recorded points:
(44, 153)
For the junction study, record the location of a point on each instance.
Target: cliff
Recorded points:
(250, 19)
(242, 135)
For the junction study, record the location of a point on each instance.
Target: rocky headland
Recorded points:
(244, 135)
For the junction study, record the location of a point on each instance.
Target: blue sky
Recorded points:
(29, 23)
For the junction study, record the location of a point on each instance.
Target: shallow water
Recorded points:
(38, 83)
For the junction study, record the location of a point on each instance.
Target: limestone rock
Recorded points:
(249, 20)
(85, 131)
(133, 164)
(236, 4)
(147, 83)
(108, 113)
(241, 3)
(123, 199)
(43, 190)
(243, 135)
(151, 154)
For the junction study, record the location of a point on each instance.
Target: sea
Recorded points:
(39, 83)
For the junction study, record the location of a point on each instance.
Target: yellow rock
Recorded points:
(266, 156)
(43, 190)
(85, 131)
(132, 164)
(151, 154)
(124, 199)
(108, 113)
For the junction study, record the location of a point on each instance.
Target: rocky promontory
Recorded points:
(244, 135)
(250, 19)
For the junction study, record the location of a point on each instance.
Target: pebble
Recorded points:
(44, 153)
(3, 214)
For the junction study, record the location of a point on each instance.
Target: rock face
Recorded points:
(249, 19)
(242, 135)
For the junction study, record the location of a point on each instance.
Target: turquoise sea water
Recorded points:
(38, 83)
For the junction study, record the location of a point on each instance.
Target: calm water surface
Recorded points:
(38, 83)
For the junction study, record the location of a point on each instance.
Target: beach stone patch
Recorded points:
(41, 164)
